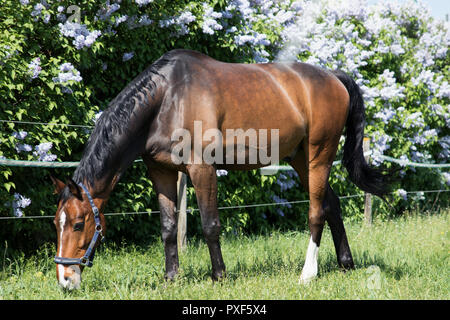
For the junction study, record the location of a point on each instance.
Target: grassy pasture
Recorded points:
(405, 258)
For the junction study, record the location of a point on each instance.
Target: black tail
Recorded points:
(365, 177)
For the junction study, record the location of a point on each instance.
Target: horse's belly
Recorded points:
(264, 125)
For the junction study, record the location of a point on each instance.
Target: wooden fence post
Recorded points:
(181, 209)
(367, 196)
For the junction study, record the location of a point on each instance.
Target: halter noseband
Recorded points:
(87, 259)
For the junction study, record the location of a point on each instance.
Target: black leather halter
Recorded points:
(87, 259)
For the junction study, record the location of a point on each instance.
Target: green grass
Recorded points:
(405, 258)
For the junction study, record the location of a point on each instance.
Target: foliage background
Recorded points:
(56, 69)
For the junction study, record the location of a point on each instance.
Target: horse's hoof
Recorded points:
(306, 279)
(218, 276)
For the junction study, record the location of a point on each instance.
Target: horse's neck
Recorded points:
(117, 164)
(101, 167)
(121, 132)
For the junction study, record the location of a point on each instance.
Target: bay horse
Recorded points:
(309, 106)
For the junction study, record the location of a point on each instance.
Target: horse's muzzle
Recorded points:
(69, 277)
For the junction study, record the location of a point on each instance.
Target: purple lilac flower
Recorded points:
(20, 202)
(416, 155)
(380, 146)
(402, 193)
(46, 18)
(285, 182)
(120, 19)
(446, 176)
(390, 90)
(127, 56)
(252, 39)
(418, 139)
(431, 133)
(43, 147)
(42, 151)
(261, 56)
(445, 145)
(426, 77)
(385, 115)
(20, 135)
(438, 110)
(34, 68)
(414, 120)
(167, 22)
(183, 20)
(23, 147)
(67, 73)
(105, 12)
(142, 3)
(37, 9)
(210, 23)
(186, 17)
(144, 20)
(80, 33)
(424, 57)
(444, 90)
(281, 201)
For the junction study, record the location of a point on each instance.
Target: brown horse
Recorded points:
(306, 106)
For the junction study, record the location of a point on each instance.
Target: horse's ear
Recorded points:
(59, 185)
(74, 189)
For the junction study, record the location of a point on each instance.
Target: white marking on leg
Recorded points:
(310, 268)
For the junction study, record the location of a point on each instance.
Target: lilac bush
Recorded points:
(399, 56)
(18, 203)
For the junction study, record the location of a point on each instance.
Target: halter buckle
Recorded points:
(84, 261)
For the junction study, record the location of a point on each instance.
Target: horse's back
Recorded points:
(278, 91)
(298, 99)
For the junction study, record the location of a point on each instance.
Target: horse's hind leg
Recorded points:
(333, 216)
(324, 205)
(313, 180)
(314, 172)
(165, 185)
(204, 179)
(317, 181)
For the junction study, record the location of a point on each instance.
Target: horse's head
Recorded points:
(79, 227)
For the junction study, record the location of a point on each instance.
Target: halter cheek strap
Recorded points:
(87, 259)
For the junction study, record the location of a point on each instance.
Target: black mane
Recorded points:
(102, 145)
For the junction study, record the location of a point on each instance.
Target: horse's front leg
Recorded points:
(204, 179)
(165, 184)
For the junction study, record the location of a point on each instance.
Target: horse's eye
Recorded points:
(78, 226)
